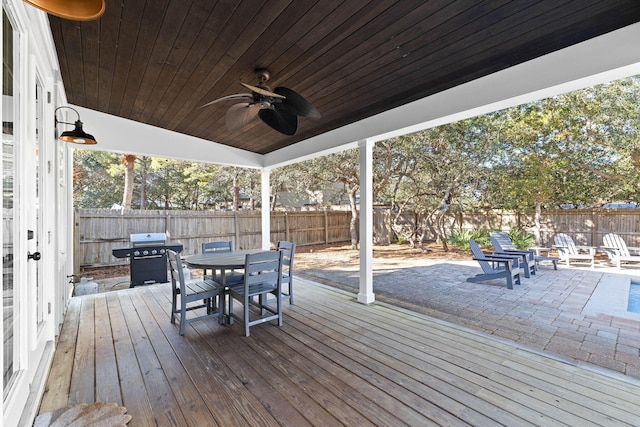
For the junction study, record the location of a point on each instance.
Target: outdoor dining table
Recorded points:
(221, 261)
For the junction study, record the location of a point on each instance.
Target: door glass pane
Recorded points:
(8, 212)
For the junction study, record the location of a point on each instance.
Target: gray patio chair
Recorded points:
(503, 245)
(617, 250)
(288, 250)
(262, 277)
(231, 277)
(206, 292)
(568, 251)
(508, 267)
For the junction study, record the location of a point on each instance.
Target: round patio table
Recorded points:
(221, 261)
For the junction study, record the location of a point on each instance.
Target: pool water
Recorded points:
(634, 298)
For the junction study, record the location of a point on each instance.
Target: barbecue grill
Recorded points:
(147, 253)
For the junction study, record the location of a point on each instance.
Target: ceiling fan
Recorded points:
(279, 108)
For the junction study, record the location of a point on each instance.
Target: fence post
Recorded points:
(236, 230)
(167, 222)
(595, 219)
(287, 236)
(326, 227)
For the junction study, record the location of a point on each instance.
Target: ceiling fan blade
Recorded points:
(239, 115)
(279, 120)
(296, 104)
(262, 91)
(236, 96)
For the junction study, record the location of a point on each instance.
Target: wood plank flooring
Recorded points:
(334, 362)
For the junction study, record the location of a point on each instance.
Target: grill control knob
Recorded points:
(153, 251)
(145, 252)
(136, 253)
(162, 251)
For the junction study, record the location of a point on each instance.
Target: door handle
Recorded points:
(34, 256)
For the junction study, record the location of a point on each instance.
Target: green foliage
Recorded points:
(521, 239)
(160, 183)
(460, 238)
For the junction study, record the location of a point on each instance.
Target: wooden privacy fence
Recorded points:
(585, 226)
(97, 231)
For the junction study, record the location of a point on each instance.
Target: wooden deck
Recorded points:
(335, 362)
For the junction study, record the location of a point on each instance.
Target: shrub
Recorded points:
(460, 238)
(522, 239)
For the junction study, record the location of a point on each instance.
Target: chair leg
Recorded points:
(183, 313)
(230, 310)
(279, 305)
(246, 316)
(174, 307)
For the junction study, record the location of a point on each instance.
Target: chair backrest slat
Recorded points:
(288, 250)
(615, 241)
(175, 265)
(217, 247)
(566, 243)
(501, 241)
(477, 253)
(263, 267)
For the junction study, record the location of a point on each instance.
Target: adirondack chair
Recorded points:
(507, 245)
(508, 267)
(568, 250)
(503, 245)
(617, 250)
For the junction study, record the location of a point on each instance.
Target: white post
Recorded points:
(266, 210)
(366, 295)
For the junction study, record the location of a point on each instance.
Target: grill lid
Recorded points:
(148, 239)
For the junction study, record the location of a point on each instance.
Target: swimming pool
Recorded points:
(634, 298)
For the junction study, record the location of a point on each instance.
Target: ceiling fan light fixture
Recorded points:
(279, 109)
(73, 10)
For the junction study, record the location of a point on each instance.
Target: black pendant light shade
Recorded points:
(73, 10)
(77, 135)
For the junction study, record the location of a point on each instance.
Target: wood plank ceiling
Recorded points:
(159, 61)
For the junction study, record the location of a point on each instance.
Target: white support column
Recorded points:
(366, 295)
(266, 210)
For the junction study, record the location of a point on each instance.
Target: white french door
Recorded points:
(26, 306)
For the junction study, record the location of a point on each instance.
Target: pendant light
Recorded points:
(77, 135)
(73, 10)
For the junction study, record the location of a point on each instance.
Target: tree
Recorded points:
(442, 166)
(574, 149)
(97, 179)
(128, 160)
(343, 167)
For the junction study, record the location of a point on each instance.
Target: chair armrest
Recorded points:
(506, 261)
(516, 251)
(538, 250)
(494, 259)
(591, 249)
(502, 255)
